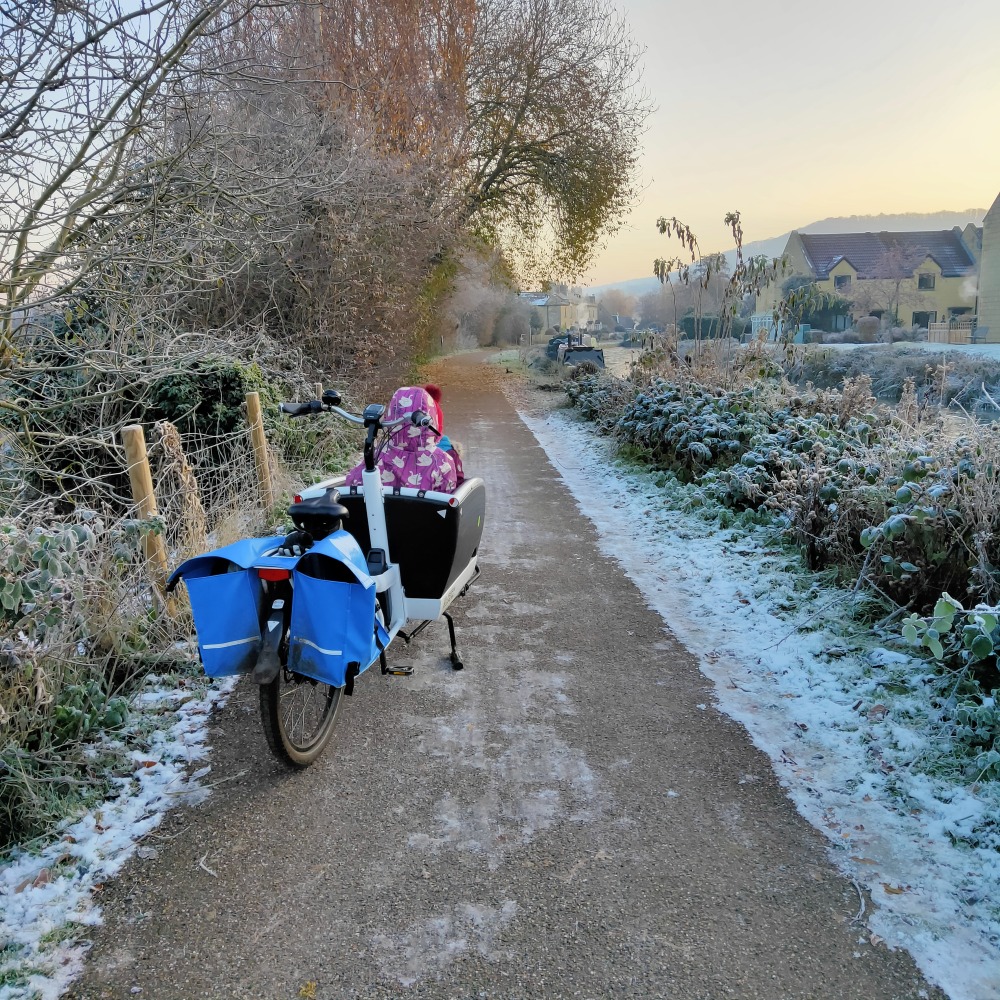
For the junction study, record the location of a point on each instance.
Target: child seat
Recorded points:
(433, 536)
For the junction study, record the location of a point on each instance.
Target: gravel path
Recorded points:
(558, 820)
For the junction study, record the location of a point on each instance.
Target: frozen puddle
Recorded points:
(428, 947)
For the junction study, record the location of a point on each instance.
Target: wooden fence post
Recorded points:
(256, 418)
(318, 389)
(145, 500)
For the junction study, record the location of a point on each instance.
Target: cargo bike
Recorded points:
(306, 613)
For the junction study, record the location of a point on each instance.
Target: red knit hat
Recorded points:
(435, 393)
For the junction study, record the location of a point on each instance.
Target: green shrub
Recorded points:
(857, 494)
(78, 628)
(889, 368)
(208, 397)
(964, 645)
(850, 488)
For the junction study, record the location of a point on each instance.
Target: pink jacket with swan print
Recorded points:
(412, 458)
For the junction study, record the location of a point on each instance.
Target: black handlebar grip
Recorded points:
(301, 409)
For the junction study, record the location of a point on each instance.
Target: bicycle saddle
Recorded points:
(320, 516)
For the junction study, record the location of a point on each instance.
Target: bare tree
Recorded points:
(177, 184)
(554, 117)
(78, 87)
(398, 65)
(889, 286)
(735, 286)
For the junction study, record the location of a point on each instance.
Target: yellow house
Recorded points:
(913, 279)
(553, 310)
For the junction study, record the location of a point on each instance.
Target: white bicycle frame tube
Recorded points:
(378, 535)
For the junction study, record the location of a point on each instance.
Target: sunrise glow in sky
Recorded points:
(795, 110)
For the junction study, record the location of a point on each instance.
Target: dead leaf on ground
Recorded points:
(895, 890)
(308, 990)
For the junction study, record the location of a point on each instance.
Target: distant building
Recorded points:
(926, 277)
(565, 312)
(586, 312)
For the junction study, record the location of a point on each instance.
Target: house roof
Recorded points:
(886, 255)
(541, 299)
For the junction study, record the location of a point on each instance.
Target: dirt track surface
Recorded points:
(558, 820)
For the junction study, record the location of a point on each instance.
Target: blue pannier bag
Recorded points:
(226, 598)
(333, 612)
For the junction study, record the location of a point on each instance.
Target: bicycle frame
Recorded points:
(390, 581)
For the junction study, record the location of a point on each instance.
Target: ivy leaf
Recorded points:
(982, 646)
(945, 611)
(989, 622)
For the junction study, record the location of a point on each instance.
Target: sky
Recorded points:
(791, 111)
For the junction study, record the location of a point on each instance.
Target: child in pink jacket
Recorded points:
(411, 457)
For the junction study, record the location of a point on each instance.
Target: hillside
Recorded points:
(773, 247)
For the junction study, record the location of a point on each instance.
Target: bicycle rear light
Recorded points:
(274, 575)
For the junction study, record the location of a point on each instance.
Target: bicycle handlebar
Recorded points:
(371, 419)
(301, 409)
(417, 417)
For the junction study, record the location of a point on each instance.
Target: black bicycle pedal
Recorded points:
(400, 671)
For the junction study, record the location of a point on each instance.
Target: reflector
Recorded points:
(273, 575)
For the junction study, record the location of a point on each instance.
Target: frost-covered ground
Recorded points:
(840, 717)
(47, 899)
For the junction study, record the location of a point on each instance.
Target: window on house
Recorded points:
(925, 282)
(842, 282)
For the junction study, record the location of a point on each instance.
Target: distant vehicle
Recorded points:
(579, 348)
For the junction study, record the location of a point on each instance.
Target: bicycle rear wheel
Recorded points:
(298, 714)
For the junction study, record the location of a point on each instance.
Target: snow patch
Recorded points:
(782, 670)
(46, 899)
(428, 947)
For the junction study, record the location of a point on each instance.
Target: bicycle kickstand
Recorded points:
(456, 659)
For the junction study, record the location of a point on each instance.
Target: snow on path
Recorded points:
(46, 899)
(823, 717)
